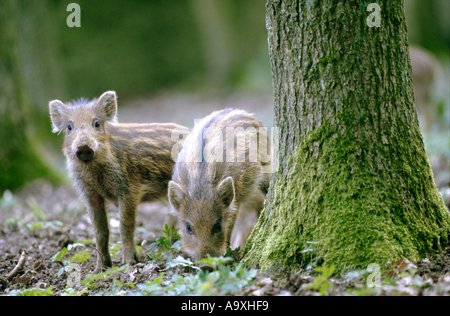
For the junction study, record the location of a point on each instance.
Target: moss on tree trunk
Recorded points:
(354, 185)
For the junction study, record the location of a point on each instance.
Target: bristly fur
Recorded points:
(81, 101)
(207, 191)
(131, 163)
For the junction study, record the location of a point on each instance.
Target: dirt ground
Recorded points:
(17, 234)
(40, 220)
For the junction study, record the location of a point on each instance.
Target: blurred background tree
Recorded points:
(215, 49)
(429, 25)
(24, 70)
(140, 47)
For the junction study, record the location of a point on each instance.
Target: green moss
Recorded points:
(358, 211)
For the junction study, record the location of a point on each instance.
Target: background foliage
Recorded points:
(139, 48)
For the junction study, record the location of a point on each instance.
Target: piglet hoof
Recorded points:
(130, 258)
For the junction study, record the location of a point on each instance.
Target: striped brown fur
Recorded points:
(123, 163)
(211, 186)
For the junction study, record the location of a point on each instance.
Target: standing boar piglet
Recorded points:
(110, 161)
(218, 175)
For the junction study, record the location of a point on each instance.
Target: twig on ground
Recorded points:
(18, 267)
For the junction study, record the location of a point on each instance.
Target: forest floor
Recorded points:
(46, 242)
(42, 221)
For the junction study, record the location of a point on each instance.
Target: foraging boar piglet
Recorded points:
(110, 161)
(218, 174)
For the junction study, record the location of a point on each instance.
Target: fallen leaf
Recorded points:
(400, 266)
(38, 265)
(265, 281)
(263, 291)
(21, 279)
(149, 268)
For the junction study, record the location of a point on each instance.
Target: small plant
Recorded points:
(322, 282)
(32, 292)
(102, 275)
(180, 261)
(225, 280)
(237, 250)
(114, 250)
(90, 281)
(12, 223)
(117, 287)
(44, 225)
(165, 246)
(214, 261)
(68, 291)
(79, 257)
(152, 287)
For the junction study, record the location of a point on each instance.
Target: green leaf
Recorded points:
(224, 271)
(121, 285)
(73, 246)
(42, 225)
(237, 250)
(171, 233)
(102, 275)
(36, 292)
(59, 255)
(180, 261)
(81, 256)
(88, 241)
(326, 271)
(114, 250)
(163, 245)
(321, 282)
(176, 246)
(34, 225)
(214, 261)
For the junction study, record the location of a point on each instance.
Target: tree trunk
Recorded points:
(354, 185)
(20, 158)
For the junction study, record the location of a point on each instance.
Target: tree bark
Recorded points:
(354, 185)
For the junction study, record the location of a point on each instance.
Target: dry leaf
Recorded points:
(21, 279)
(400, 266)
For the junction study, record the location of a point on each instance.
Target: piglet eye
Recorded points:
(189, 229)
(69, 127)
(97, 124)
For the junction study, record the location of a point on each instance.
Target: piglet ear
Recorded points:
(225, 191)
(108, 104)
(176, 195)
(57, 112)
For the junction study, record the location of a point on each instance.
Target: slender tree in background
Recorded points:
(354, 184)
